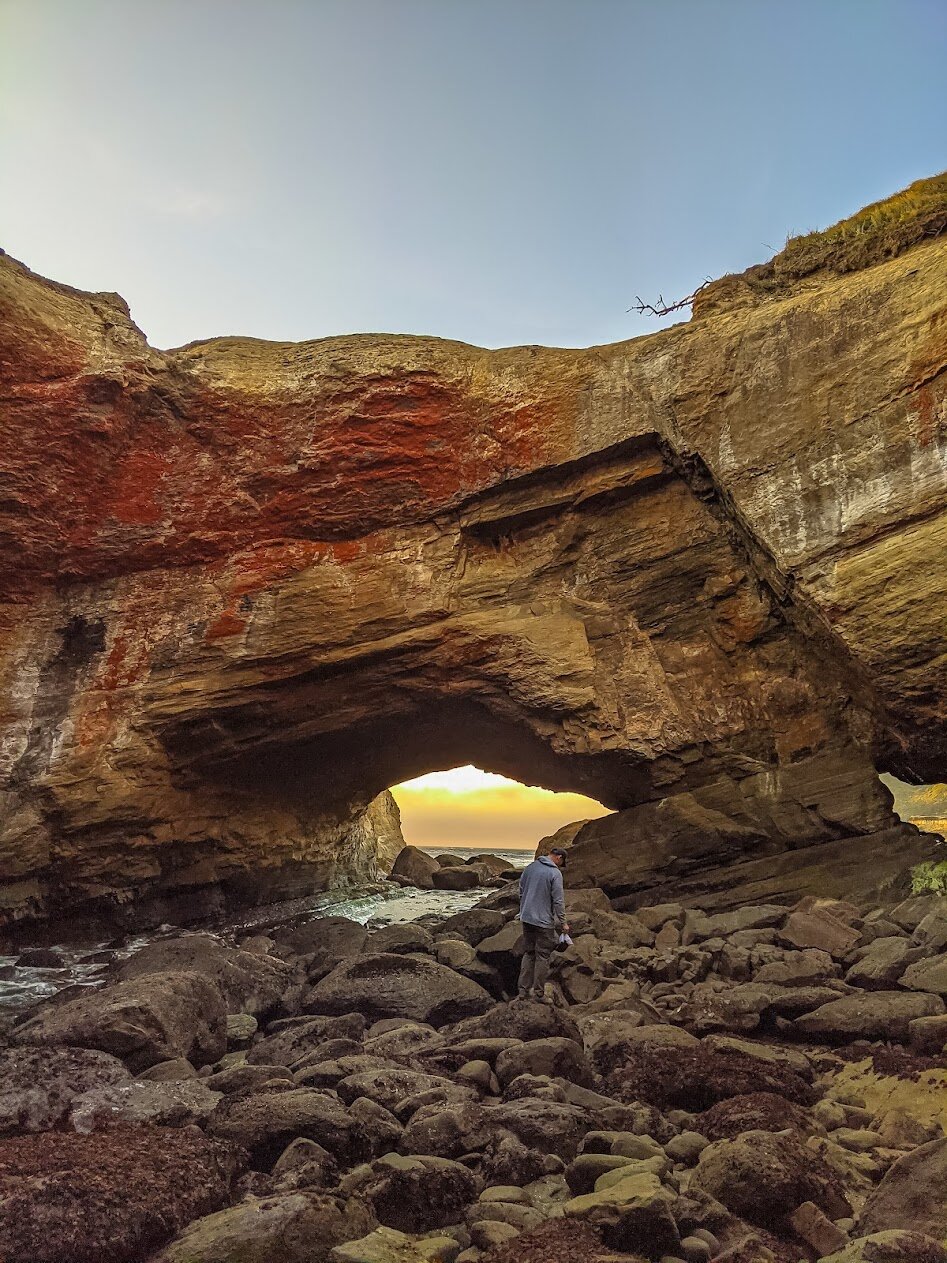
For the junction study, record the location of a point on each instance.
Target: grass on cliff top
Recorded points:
(879, 232)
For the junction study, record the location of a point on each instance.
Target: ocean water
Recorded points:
(85, 965)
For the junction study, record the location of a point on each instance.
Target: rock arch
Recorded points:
(250, 585)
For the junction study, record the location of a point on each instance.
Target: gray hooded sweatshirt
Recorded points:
(541, 899)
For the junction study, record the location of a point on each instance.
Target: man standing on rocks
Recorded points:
(543, 917)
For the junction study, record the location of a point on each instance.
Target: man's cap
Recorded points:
(557, 850)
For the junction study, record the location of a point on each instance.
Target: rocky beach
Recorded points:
(763, 1084)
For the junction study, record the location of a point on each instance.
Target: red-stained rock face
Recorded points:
(247, 586)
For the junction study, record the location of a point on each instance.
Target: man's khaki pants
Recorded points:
(538, 944)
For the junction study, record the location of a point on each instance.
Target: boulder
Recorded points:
(757, 1111)
(38, 1085)
(928, 1034)
(912, 1194)
(64, 1195)
(459, 878)
(892, 1246)
(696, 1078)
(288, 1045)
(927, 975)
(143, 1020)
(264, 1123)
(249, 983)
(519, 1019)
(294, 1227)
(472, 926)
(631, 1215)
(414, 1193)
(416, 867)
(388, 1245)
(764, 1176)
(818, 927)
(698, 925)
(389, 985)
(396, 1083)
(881, 964)
(331, 937)
(545, 1126)
(448, 1131)
(173, 1104)
(401, 936)
(552, 1056)
(868, 1015)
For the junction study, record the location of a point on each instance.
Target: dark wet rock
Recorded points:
(401, 936)
(797, 968)
(763, 1177)
(911, 912)
(416, 867)
(554, 1056)
(143, 1021)
(696, 1078)
(758, 1111)
(519, 1019)
(819, 927)
(388, 985)
(913, 1194)
(38, 1085)
(503, 951)
(163, 1104)
(882, 963)
(547, 1126)
(461, 878)
(448, 1131)
(414, 1193)
(287, 1046)
(264, 1123)
(332, 938)
(927, 975)
(248, 983)
(292, 1227)
(699, 925)
(892, 1246)
(928, 1034)
(172, 1071)
(304, 1165)
(472, 926)
(618, 927)
(326, 1074)
(394, 1084)
(63, 1195)
(408, 1040)
(868, 1015)
(247, 1078)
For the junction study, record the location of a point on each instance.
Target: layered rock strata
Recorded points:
(248, 586)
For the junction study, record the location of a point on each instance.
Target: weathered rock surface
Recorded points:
(388, 985)
(248, 586)
(142, 1020)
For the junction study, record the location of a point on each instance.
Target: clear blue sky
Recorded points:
(500, 171)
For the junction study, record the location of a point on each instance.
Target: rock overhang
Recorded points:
(251, 584)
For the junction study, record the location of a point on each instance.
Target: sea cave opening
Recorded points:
(466, 809)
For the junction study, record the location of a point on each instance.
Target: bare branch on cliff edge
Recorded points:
(661, 308)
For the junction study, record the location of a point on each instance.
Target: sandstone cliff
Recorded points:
(247, 586)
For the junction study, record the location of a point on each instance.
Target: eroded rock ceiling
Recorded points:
(247, 586)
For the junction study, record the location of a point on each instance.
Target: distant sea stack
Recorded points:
(699, 576)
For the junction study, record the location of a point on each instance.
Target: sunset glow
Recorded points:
(465, 806)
